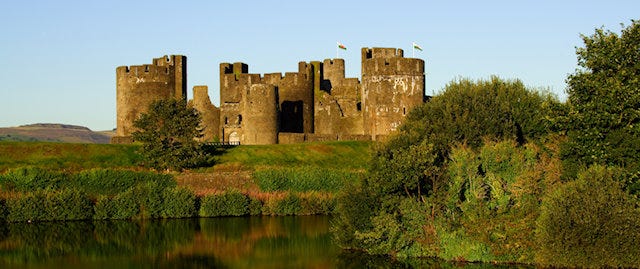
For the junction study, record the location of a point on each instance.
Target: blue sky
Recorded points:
(59, 57)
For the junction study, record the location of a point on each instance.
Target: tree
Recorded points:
(167, 133)
(603, 123)
(408, 173)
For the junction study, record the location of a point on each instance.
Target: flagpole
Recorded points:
(413, 50)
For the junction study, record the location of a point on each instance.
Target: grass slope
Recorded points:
(350, 155)
(66, 156)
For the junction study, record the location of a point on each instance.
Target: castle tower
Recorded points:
(295, 98)
(210, 114)
(260, 124)
(391, 86)
(139, 86)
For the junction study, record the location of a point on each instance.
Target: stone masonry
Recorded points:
(317, 103)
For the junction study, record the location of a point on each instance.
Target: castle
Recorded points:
(317, 103)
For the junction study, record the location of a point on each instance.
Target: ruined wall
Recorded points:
(338, 101)
(260, 123)
(210, 114)
(138, 86)
(392, 85)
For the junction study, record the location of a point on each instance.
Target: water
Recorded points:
(244, 242)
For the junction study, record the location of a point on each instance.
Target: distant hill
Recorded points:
(55, 132)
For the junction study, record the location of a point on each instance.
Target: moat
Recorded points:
(243, 242)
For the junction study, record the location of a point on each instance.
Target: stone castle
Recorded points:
(317, 103)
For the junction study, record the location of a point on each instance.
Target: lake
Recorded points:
(239, 242)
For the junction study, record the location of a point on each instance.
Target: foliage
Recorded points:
(167, 133)
(413, 163)
(493, 199)
(603, 122)
(178, 203)
(231, 203)
(26, 179)
(590, 222)
(48, 205)
(304, 179)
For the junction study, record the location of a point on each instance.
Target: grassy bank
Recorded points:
(54, 181)
(66, 156)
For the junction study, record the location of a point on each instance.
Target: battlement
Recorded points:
(372, 53)
(235, 68)
(333, 70)
(170, 60)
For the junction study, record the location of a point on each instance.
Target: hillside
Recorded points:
(51, 132)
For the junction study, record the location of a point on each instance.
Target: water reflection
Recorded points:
(248, 242)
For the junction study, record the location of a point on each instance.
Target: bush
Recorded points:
(125, 205)
(590, 222)
(178, 203)
(103, 208)
(68, 204)
(28, 179)
(26, 207)
(225, 204)
(289, 205)
(255, 207)
(47, 205)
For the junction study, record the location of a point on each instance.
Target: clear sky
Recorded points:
(59, 57)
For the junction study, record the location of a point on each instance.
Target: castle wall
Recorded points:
(210, 114)
(138, 86)
(260, 123)
(230, 122)
(316, 103)
(337, 105)
(392, 86)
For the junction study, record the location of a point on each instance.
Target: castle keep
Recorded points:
(316, 103)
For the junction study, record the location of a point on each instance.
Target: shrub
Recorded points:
(103, 208)
(68, 204)
(27, 207)
(178, 203)
(28, 179)
(226, 204)
(125, 205)
(255, 207)
(289, 205)
(590, 222)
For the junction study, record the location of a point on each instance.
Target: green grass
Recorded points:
(347, 155)
(65, 156)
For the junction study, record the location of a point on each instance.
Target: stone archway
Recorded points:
(234, 138)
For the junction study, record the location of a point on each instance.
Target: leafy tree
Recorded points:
(412, 164)
(603, 123)
(167, 133)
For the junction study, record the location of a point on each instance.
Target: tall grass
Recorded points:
(303, 179)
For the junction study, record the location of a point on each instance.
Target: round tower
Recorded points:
(139, 86)
(260, 115)
(391, 86)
